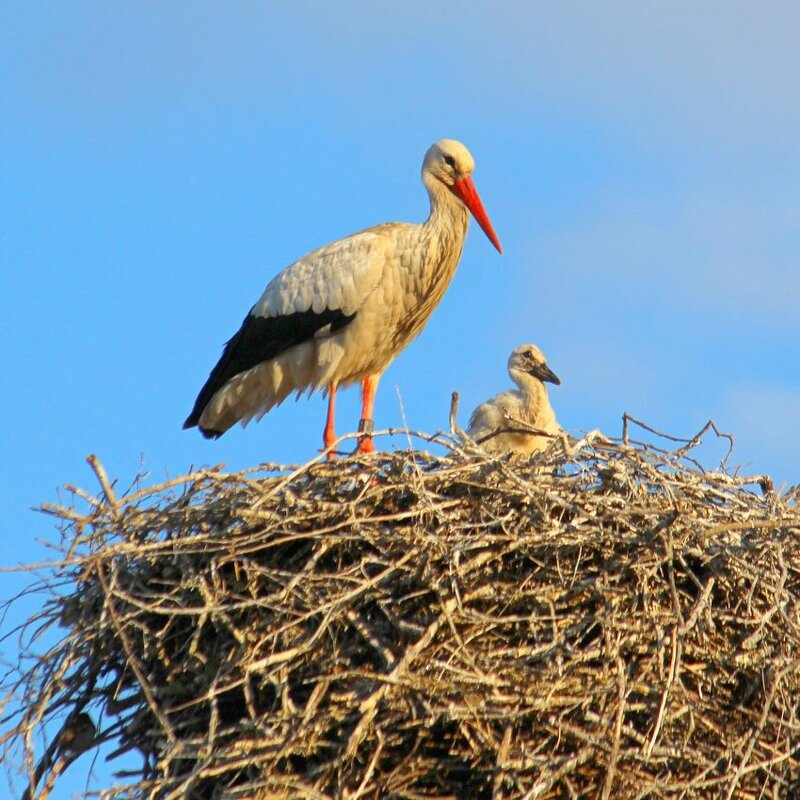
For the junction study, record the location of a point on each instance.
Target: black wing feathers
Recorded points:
(258, 340)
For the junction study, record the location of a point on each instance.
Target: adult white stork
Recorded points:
(343, 312)
(525, 407)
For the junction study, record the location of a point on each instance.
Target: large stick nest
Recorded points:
(612, 622)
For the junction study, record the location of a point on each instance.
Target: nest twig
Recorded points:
(607, 622)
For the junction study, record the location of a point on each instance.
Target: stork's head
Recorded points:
(528, 359)
(450, 163)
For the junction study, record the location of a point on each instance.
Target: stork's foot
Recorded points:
(365, 443)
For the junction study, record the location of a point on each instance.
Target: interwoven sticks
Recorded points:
(613, 623)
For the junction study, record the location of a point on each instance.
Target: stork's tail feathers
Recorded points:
(259, 340)
(193, 421)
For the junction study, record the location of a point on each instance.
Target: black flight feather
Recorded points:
(261, 339)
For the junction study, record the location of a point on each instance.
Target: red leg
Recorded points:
(329, 434)
(368, 388)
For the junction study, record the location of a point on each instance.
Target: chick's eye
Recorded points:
(449, 160)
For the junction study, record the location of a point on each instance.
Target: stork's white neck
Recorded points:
(448, 218)
(435, 249)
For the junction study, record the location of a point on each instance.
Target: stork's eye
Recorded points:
(449, 160)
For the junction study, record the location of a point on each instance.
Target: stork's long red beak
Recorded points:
(465, 190)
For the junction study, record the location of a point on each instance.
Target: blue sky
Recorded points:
(162, 161)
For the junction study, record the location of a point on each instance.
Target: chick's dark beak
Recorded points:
(544, 373)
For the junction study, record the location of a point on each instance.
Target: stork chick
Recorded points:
(525, 407)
